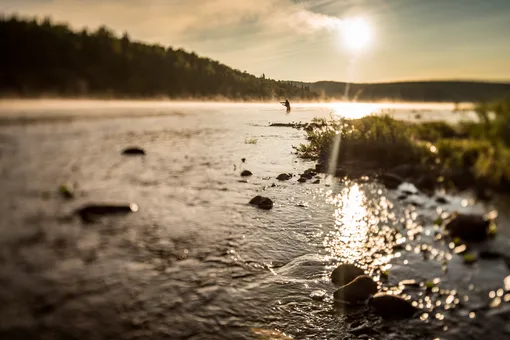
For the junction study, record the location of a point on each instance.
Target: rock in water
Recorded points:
(345, 273)
(469, 227)
(91, 211)
(390, 181)
(283, 177)
(358, 291)
(246, 173)
(301, 179)
(262, 202)
(391, 306)
(133, 151)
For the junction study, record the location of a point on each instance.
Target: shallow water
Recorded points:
(196, 261)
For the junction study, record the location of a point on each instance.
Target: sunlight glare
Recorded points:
(356, 33)
(354, 110)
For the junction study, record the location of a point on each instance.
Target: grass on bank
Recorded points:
(479, 150)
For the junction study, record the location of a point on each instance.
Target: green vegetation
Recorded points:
(43, 58)
(250, 141)
(466, 155)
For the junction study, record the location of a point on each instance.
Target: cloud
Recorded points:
(172, 19)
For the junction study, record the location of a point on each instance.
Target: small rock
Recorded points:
(390, 181)
(489, 255)
(243, 160)
(307, 175)
(262, 202)
(273, 185)
(441, 200)
(470, 258)
(318, 295)
(345, 273)
(283, 177)
(317, 181)
(89, 212)
(310, 172)
(468, 227)
(402, 197)
(427, 183)
(301, 180)
(359, 290)
(391, 306)
(65, 191)
(246, 173)
(133, 151)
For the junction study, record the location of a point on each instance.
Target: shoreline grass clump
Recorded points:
(465, 155)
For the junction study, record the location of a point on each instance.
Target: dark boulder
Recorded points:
(133, 151)
(262, 202)
(301, 179)
(469, 227)
(391, 306)
(317, 181)
(246, 173)
(91, 211)
(358, 291)
(283, 177)
(345, 273)
(390, 181)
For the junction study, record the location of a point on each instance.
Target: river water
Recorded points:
(196, 261)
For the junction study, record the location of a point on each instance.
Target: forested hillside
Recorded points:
(42, 58)
(420, 91)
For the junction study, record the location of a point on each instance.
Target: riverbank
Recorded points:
(432, 155)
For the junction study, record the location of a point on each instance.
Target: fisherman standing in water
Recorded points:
(286, 103)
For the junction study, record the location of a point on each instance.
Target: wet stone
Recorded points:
(283, 177)
(345, 273)
(391, 306)
(133, 151)
(317, 181)
(441, 200)
(301, 179)
(246, 173)
(91, 211)
(262, 202)
(358, 291)
(468, 227)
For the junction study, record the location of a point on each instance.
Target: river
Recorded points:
(196, 261)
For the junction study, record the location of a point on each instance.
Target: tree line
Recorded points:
(40, 57)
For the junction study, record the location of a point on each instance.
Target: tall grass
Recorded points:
(480, 149)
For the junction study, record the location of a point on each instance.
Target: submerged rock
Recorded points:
(301, 179)
(133, 151)
(441, 200)
(358, 291)
(317, 181)
(390, 181)
(469, 227)
(345, 273)
(262, 202)
(246, 173)
(91, 211)
(391, 306)
(284, 177)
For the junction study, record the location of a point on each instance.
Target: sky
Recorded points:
(312, 40)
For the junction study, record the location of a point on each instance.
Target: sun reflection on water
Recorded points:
(361, 234)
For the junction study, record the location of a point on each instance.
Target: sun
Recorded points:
(357, 34)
